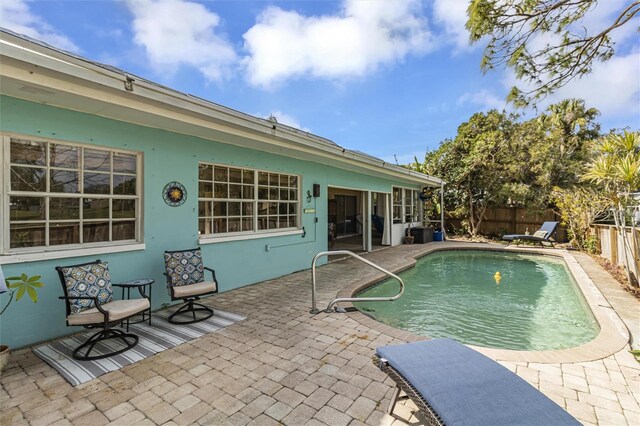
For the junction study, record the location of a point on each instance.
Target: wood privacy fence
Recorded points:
(514, 220)
(612, 247)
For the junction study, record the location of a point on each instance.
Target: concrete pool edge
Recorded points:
(612, 338)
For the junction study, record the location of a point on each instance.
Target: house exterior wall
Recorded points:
(400, 230)
(166, 157)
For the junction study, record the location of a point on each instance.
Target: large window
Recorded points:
(238, 200)
(405, 205)
(61, 194)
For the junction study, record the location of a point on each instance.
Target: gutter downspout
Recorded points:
(444, 235)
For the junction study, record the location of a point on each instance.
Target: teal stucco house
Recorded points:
(97, 163)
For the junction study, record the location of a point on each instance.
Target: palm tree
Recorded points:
(616, 170)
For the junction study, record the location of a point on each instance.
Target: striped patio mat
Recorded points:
(161, 335)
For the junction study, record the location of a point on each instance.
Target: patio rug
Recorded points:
(160, 336)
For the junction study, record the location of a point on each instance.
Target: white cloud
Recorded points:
(15, 15)
(452, 15)
(613, 87)
(600, 16)
(603, 14)
(285, 119)
(177, 32)
(356, 41)
(484, 98)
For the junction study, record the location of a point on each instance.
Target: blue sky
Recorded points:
(387, 77)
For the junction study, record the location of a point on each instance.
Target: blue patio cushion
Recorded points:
(91, 280)
(184, 267)
(466, 388)
(549, 227)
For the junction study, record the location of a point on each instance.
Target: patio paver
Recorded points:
(284, 366)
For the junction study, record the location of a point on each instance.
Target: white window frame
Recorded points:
(12, 255)
(395, 204)
(415, 204)
(255, 233)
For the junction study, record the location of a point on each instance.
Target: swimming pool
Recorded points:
(535, 304)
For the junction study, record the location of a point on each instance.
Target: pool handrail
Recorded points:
(314, 308)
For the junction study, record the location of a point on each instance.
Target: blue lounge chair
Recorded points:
(455, 385)
(542, 235)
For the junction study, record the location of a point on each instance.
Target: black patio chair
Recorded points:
(89, 303)
(186, 281)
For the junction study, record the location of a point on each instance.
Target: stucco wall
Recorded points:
(167, 157)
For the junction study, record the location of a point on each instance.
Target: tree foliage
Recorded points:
(545, 42)
(498, 160)
(558, 156)
(475, 165)
(615, 166)
(579, 207)
(615, 170)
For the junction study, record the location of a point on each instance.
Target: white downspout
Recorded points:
(442, 211)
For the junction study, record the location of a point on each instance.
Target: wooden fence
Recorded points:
(514, 220)
(612, 248)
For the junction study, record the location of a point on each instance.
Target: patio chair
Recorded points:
(378, 224)
(89, 303)
(542, 235)
(454, 385)
(186, 281)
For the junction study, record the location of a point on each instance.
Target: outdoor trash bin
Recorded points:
(422, 234)
(437, 235)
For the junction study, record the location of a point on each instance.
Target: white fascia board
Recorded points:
(101, 78)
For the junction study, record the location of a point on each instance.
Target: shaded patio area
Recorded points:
(283, 365)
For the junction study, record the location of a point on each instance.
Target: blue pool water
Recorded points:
(534, 306)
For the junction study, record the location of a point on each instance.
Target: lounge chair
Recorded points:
(542, 235)
(454, 385)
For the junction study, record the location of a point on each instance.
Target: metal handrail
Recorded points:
(314, 308)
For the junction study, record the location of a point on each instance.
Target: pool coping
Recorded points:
(612, 338)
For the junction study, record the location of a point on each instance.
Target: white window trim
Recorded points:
(255, 233)
(18, 255)
(245, 236)
(394, 204)
(66, 253)
(414, 205)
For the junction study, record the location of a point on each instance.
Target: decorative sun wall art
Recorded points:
(174, 194)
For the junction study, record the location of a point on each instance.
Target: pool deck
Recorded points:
(284, 366)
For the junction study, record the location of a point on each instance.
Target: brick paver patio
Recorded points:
(284, 366)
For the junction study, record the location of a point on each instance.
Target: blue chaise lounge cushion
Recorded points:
(543, 234)
(466, 388)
